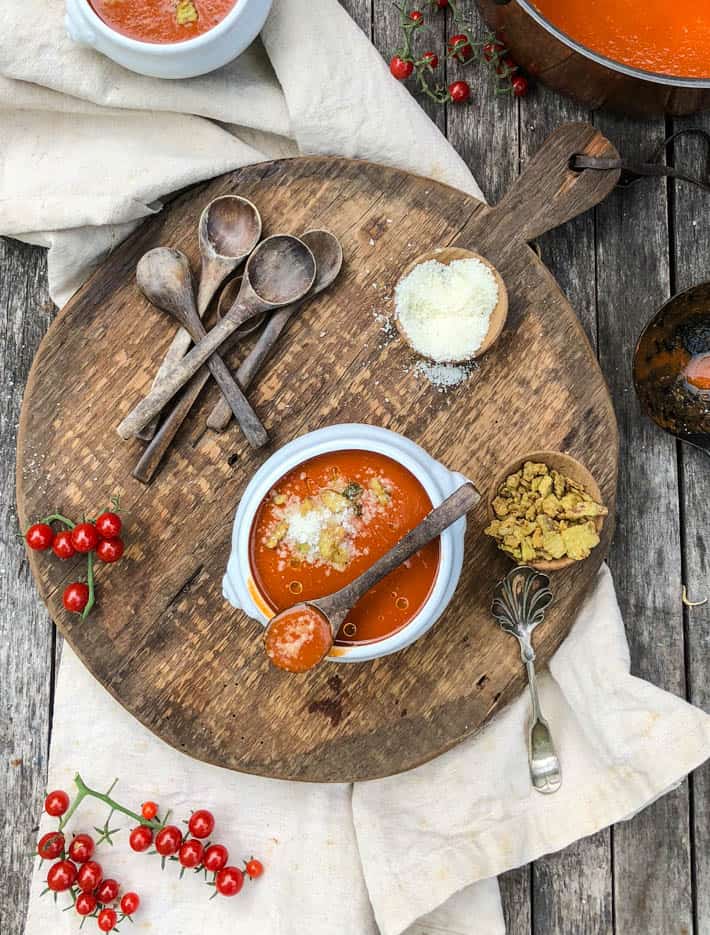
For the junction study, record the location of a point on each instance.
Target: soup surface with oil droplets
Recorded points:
(162, 21)
(668, 37)
(327, 521)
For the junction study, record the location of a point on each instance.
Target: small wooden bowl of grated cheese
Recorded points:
(451, 305)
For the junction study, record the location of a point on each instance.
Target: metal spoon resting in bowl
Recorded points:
(298, 638)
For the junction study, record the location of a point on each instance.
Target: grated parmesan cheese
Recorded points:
(445, 311)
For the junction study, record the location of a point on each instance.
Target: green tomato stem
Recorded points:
(58, 518)
(90, 581)
(84, 791)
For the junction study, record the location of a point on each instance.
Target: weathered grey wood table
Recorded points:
(650, 876)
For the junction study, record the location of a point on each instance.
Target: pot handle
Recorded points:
(549, 191)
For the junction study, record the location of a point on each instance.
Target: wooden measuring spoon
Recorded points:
(280, 271)
(329, 261)
(155, 451)
(298, 638)
(229, 229)
(164, 277)
(499, 315)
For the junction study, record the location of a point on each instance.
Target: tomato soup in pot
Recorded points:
(667, 37)
(162, 21)
(330, 518)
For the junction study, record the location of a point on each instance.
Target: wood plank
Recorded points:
(25, 629)
(361, 12)
(651, 853)
(690, 237)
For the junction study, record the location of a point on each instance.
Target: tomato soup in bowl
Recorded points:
(162, 20)
(326, 507)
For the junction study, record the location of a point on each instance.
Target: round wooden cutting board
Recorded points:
(162, 640)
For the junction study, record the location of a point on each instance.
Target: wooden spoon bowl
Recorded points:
(499, 316)
(564, 464)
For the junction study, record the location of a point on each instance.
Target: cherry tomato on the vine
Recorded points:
(76, 597)
(201, 823)
(107, 920)
(216, 857)
(460, 48)
(107, 891)
(110, 550)
(61, 876)
(62, 546)
(109, 525)
(416, 16)
(140, 838)
(84, 537)
(442, 4)
(168, 841)
(460, 92)
(520, 85)
(85, 904)
(432, 59)
(149, 810)
(89, 876)
(400, 68)
(130, 903)
(56, 803)
(491, 49)
(81, 848)
(190, 854)
(50, 845)
(229, 881)
(506, 66)
(254, 868)
(39, 537)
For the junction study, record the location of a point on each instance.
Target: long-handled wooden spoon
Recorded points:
(229, 229)
(164, 277)
(298, 638)
(329, 261)
(279, 272)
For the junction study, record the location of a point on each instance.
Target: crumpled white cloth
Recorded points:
(87, 150)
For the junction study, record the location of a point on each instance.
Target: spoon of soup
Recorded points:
(300, 637)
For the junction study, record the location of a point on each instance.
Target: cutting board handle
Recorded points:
(548, 192)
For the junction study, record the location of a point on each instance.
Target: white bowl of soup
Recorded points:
(325, 507)
(167, 38)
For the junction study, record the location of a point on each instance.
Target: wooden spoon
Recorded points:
(280, 271)
(155, 451)
(164, 277)
(499, 315)
(298, 638)
(329, 261)
(229, 229)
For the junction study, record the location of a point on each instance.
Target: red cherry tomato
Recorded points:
(520, 85)
(39, 537)
(201, 823)
(140, 838)
(432, 59)
(110, 550)
(505, 66)
(61, 876)
(85, 904)
(56, 803)
(400, 68)
(442, 4)
(254, 868)
(81, 848)
(191, 854)
(109, 525)
(416, 16)
(168, 841)
(89, 876)
(62, 546)
(491, 49)
(460, 48)
(149, 810)
(76, 597)
(107, 891)
(130, 903)
(216, 857)
(229, 881)
(460, 92)
(50, 845)
(84, 537)
(107, 920)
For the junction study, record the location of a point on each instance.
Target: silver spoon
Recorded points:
(229, 229)
(323, 617)
(519, 604)
(329, 261)
(279, 272)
